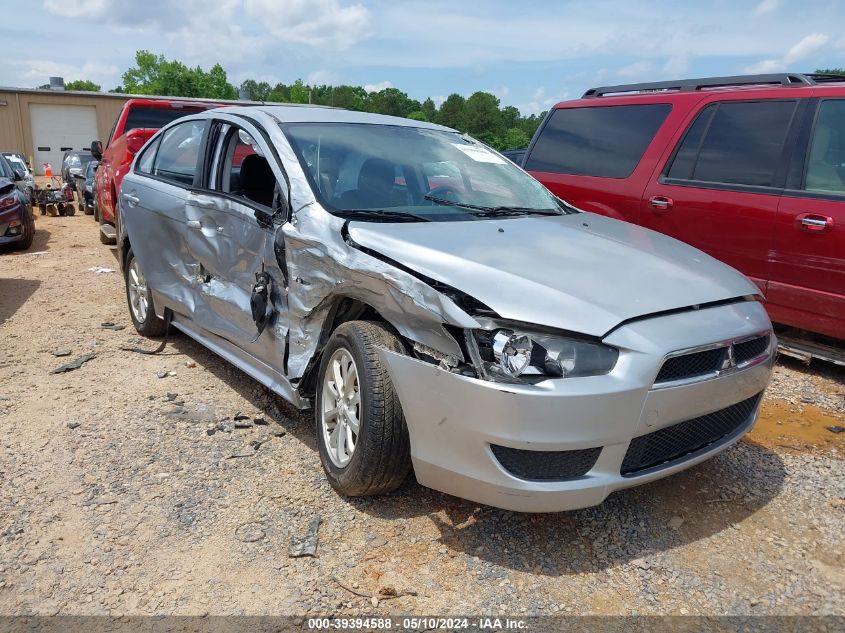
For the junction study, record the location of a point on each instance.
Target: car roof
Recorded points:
(324, 114)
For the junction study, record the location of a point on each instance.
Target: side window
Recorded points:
(826, 163)
(605, 141)
(245, 171)
(145, 162)
(742, 144)
(178, 152)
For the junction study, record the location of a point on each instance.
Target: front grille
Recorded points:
(673, 443)
(692, 365)
(752, 348)
(546, 465)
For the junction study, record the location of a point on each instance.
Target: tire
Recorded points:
(381, 455)
(96, 212)
(30, 234)
(70, 209)
(108, 241)
(43, 209)
(81, 207)
(142, 314)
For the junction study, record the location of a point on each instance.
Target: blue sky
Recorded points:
(531, 54)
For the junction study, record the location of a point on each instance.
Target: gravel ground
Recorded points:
(125, 493)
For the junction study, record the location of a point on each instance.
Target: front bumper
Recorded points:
(453, 420)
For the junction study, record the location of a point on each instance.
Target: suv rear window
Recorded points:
(154, 117)
(734, 143)
(605, 141)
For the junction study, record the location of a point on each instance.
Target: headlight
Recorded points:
(512, 354)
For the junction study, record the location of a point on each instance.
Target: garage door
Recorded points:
(56, 128)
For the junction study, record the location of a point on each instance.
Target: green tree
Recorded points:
(155, 75)
(831, 71)
(299, 92)
(451, 113)
(482, 115)
(418, 115)
(514, 138)
(257, 91)
(429, 110)
(83, 84)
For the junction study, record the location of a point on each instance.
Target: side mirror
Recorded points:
(97, 150)
(79, 176)
(18, 175)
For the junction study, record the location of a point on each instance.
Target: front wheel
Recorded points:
(140, 300)
(361, 433)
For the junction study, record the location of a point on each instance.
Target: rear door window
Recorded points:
(826, 163)
(735, 143)
(605, 141)
(176, 159)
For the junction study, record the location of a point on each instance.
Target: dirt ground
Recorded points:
(120, 493)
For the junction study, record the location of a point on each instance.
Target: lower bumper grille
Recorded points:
(546, 465)
(675, 442)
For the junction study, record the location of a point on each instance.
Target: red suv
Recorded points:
(749, 169)
(137, 122)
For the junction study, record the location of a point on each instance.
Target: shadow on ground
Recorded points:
(709, 498)
(13, 294)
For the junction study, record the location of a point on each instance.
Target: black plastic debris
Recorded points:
(260, 421)
(836, 429)
(76, 363)
(240, 416)
(306, 544)
(108, 325)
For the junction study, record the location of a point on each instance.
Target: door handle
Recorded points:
(660, 203)
(197, 226)
(813, 222)
(130, 198)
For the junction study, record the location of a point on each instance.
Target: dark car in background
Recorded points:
(85, 186)
(749, 169)
(73, 164)
(515, 155)
(17, 223)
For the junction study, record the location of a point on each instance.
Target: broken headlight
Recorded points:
(511, 354)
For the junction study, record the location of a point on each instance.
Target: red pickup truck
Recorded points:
(137, 122)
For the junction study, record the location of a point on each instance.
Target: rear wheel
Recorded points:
(29, 232)
(140, 300)
(361, 433)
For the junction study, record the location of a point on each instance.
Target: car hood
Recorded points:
(582, 272)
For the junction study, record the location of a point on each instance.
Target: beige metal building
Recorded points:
(42, 124)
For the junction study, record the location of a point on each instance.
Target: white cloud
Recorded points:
(766, 7)
(541, 102)
(35, 72)
(807, 46)
(636, 70)
(438, 100)
(382, 85)
(89, 9)
(766, 66)
(319, 23)
(323, 77)
(801, 50)
(676, 67)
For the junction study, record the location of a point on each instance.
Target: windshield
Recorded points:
(397, 173)
(18, 164)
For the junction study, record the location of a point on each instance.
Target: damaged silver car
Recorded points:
(439, 308)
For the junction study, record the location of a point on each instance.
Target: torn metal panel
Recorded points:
(323, 267)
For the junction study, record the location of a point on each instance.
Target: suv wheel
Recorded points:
(140, 300)
(361, 432)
